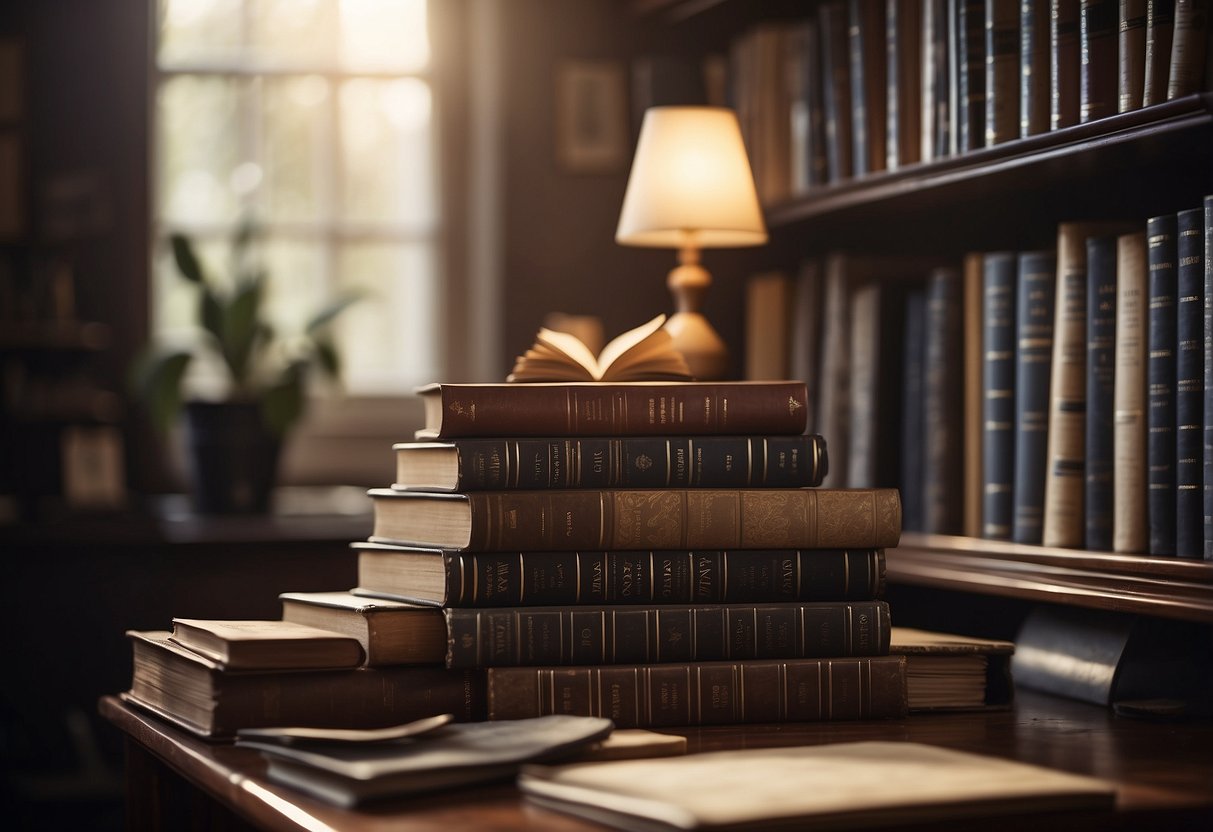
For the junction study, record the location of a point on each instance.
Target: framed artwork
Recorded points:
(591, 116)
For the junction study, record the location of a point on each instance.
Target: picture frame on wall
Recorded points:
(591, 116)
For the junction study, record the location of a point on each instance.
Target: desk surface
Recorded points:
(1164, 771)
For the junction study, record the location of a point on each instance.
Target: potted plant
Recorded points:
(232, 444)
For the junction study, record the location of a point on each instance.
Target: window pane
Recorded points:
(388, 152)
(388, 341)
(296, 283)
(199, 125)
(296, 142)
(294, 32)
(194, 31)
(384, 35)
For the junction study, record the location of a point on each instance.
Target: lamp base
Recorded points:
(703, 349)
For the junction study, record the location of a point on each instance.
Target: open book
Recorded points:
(645, 353)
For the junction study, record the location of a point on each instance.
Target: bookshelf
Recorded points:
(1011, 195)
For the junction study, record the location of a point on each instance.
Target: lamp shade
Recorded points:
(690, 183)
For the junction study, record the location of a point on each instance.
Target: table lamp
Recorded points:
(691, 188)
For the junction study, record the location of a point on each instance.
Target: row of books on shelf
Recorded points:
(666, 605)
(862, 86)
(1065, 393)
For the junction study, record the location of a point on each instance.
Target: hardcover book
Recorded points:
(203, 697)
(1130, 531)
(1188, 45)
(970, 50)
(944, 407)
(836, 97)
(1131, 54)
(1160, 377)
(1036, 294)
(946, 672)
(623, 634)
(1064, 63)
(998, 378)
(1002, 70)
(454, 411)
(502, 579)
(1189, 382)
(1160, 29)
(607, 462)
(1101, 364)
(389, 631)
(1097, 45)
(266, 645)
(868, 56)
(903, 20)
(1034, 67)
(646, 353)
(670, 518)
(837, 786)
(706, 693)
(1208, 421)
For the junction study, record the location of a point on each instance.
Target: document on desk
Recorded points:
(844, 785)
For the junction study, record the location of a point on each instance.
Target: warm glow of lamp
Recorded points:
(691, 188)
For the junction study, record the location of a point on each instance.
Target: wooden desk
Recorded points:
(1164, 772)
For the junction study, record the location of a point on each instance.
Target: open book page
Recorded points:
(643, 353)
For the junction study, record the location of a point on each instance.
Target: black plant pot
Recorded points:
(232, 457)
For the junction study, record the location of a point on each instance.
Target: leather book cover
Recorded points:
(1160, 31)
(1065, 66)
(1002, 20)
(1036, 282)
(1160, 377)
(1208, 402)
(1131, 54)
(1097, 39)
(1034, 67)
(868, 57)
(1130, 530)
(944, 405)
(970, 74)
(836, 97)
(1188, 45)
(998, 380)
(913, 410)
(1101, 366)
(1189, 382)
(903, 21)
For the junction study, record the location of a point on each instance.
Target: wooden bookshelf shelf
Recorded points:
(1166, 587)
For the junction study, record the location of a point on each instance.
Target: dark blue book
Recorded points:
(943, 421)
(1189, 383)
(970, 49)
(913, 357)
(868, 53)
(1208, 443)
(1160, 379)
(1101, 366)
(998, 333)
(1036, 299)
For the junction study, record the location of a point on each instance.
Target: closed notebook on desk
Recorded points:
(839, 786)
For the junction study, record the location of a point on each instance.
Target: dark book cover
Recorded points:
(807, 121)
(538, 579)
(535, 636)
(903, 21)
(1189, 383)
(1035, 299)
(1131, 55)
(1034, 84)
(970, 50)
(936, 83)
(1160, 372)
(1065, 67)
(706, 693)
(1097, 23)
(1101, 366)
(999, 330)
(944, 404)
(1160, 30)
(1188, 73)
(1208, 402)
(914, 339)
(836, 91)
(868, 57)
(1002, 70)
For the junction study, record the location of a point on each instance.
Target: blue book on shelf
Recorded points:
(1189, 383)
(998, 394)
(1036, 299)
(1101, 364)
(1160, 376)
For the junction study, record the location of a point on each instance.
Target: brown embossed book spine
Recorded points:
(533, 636)
(1097, 40)
(710, 693)
(502, 579)
(1131, 54)
(1064, 63)
(624, 409)
(1130, 532)
(707, 518)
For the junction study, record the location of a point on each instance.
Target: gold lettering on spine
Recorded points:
(521, 577)
(846, 571)
(848, 631)
(602, 517)
(749, 461)
(669, 464)
(570, 411)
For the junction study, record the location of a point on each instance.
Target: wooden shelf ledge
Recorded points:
(1167, 587)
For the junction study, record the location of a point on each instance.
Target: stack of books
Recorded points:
(655, 553)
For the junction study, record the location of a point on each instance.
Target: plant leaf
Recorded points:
(157, 380)
(328, 313)
(327, 357)
(240, 330)
(283, 402)
(187, 261)
(211, 314)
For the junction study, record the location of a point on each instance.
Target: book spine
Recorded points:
(1188, 44)
(1097, 46)
(904, 21)
(805, 361)
(531, 636)
(684, 519)
(1064, 63)
(944, 404)
(1101, 365)
(836, 98)
(866, 335)
(1208, 401)
(1035, 296)
(1160, 29)
(512, 579)
(912, 431)
(1129, 525)
(974, 393)
(807, 151)
(622, 409)
(1002, 70)
(1132, 55)
(1065, 466)
(935, 140)
(998, 384)
(860, 106)
(642, 462)
(1160, 372)
(1034, 68)
(712, 693)
(833, 403)
(971, 74)
(1189, 383)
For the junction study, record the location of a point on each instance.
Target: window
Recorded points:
(315, 118)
